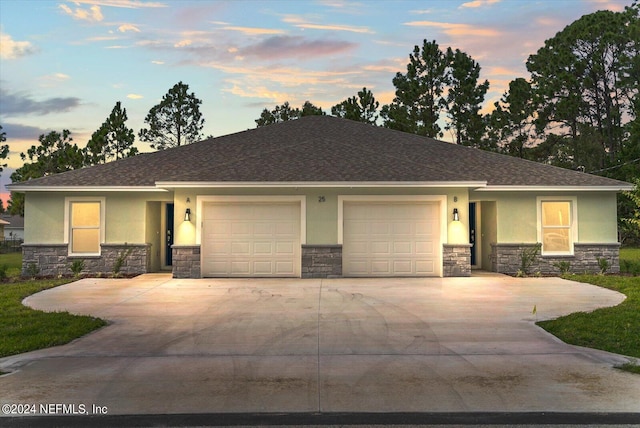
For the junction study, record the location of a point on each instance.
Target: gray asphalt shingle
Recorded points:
(322, 149)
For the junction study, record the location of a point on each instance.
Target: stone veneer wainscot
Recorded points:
(54, 259)
(506, 258)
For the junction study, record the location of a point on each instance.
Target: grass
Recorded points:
(615, 329)
(23, 329)
(13, 262)
(630, 261)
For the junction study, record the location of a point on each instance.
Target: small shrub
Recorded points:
(528, 257)
(604, 265)
(120, 260)
(33, 270)
(564, 267)
(3, 272)
(76, 267)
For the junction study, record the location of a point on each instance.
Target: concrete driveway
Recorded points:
(337, 345)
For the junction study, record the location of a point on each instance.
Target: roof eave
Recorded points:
(312, 184)
(608, 188)
(26, 188)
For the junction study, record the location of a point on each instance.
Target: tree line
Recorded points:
(578, 109)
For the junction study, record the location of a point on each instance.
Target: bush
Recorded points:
(528, 257)
(604, 265)
(76, 267)
(33, 270)
(564, 267)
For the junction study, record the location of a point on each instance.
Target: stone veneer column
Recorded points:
(456, 260)
(321, 261)
(186, 261)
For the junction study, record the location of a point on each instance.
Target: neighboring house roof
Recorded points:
(14, 221)
(320, 149)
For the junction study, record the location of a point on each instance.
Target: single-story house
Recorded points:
(319, 197)
(3, 224)
(14, 230)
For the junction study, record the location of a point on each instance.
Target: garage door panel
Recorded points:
(263, 248)
(251, 239)
(425, 267)
(380, 248)
(425, 247)
(403, 228)
(260, 228)
(263, 268)
(285, 248)
(239, 267)
(380, 228)
(391, 239)
(424, 227)
(381, 267)
(402, 267)
(237, 248)
(284, 268)
(403, 248)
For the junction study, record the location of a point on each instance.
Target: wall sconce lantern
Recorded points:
(187, 215)
(456, 217)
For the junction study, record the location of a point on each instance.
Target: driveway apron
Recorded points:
(322, 345)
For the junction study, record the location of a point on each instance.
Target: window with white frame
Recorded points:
(557, 228)
(85, 219)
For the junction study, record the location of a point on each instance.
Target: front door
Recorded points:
(472, 233)
(169, 236)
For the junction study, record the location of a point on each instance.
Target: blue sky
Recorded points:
(64, 64)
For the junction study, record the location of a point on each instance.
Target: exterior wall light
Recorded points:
(456, 217)
(187, 215)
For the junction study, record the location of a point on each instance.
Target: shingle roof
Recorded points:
(322, 149)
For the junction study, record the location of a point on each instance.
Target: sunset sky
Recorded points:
(64, 64)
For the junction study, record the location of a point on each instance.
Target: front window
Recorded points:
(556, 227)
(85, 227)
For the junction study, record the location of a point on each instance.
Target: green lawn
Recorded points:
(615, 329)
(13, 262)
(630, 260)
(23, 329)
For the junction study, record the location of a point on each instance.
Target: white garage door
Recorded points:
(251, 239)
(391, 239)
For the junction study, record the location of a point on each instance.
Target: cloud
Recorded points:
(300, 22)
(250, 91)
(183, 43)
(479, 3)
(128, 27)
(279, 47)
(457, 29)
(103, 38)
(12, 49)
(253, 30)
(20, 103)
(134, 96)
(129, 4)
(16, 131)
(93, 14)
(334, 27)
(54, 79)
(157, 62)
